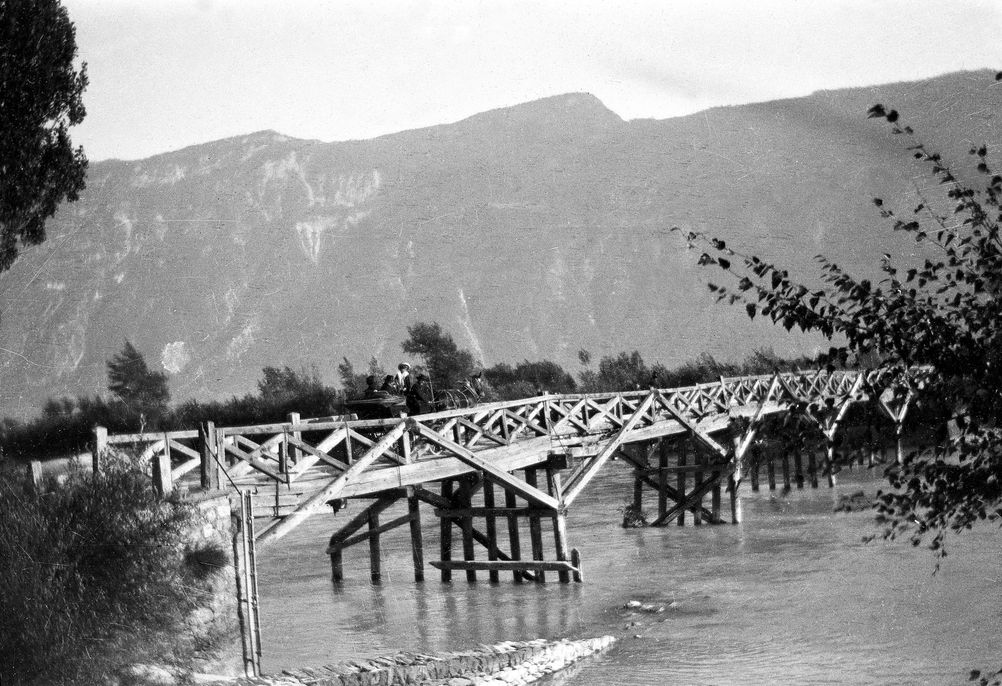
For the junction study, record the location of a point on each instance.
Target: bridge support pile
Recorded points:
(461, 506)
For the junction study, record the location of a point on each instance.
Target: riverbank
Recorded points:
(504, 664)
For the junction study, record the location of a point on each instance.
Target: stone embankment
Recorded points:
(503, 664)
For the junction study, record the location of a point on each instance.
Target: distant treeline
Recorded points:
(66, 424)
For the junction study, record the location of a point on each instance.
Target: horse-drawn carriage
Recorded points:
(390, 405)
(378, 408)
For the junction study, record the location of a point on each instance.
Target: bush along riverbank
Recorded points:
(103, 579)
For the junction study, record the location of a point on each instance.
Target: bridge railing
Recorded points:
(342, 446)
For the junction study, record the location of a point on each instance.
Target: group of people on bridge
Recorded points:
(417, 393)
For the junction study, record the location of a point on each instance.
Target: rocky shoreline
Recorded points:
(503, 664)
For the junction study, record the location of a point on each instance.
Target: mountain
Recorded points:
(528, 232)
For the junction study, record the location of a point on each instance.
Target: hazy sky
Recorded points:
(169, 73)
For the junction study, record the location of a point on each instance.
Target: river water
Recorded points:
(789, 596)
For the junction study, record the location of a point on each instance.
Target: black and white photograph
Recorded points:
(500, 342)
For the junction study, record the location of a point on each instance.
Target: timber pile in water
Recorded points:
(503, 664)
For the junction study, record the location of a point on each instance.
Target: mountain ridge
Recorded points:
(528, 233)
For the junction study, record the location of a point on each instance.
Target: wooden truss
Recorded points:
(539, 454)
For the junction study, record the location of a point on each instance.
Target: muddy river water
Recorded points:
(789, 596)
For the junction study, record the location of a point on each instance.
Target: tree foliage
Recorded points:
(527, 378)
(447, 364)
(40, 98)
(134, 384)
(942, 316)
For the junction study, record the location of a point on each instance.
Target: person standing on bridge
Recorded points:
(403, 381)
(419, 396)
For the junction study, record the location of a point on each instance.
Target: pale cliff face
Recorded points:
(528, 232)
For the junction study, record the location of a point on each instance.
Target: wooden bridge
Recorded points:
(537, 454)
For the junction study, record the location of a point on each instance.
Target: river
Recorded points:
(789, 596)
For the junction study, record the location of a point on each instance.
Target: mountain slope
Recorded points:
(530, 231)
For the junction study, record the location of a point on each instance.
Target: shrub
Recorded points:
(91, 573)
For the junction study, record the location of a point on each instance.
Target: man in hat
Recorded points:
(419, 399)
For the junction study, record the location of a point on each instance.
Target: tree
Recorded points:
(285, 383)
(942, 316)
(40, 98)
(623, 372)
(527, 378)
(354, 383)
(448, 365)
(134, 384)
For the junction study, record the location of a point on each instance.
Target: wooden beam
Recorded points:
(675, 494)
(374, 556)
(705, 439)
(358, 521)
(436, 500)
(749, 435)
(539, 566)
(490, 471)
(333, 488)
(573, 489)
(692, 499)
(491, 526)
(445, 533)
(493, 511)
(417, 541)
(535, 531)
(380, 529)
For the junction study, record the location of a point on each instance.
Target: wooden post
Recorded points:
(697, 479)
(513, 534)
(162, 483)
(349, 456)
(445, 531)
(560, 540)
(465, 500)
(209, 469)
(35, 475)
(680, 479)
(417, 541)
(715, 498)
(639, 472)
(492, 530)
(221, 447)
(732, 487)
(98, 447)
(239, 565)
(830, 456)
(374, 567)
(292, 453)
(576, 563)
(663, 449)
(535, 530)
(770, 468)
(756, 457)
(337, 564)
(559, 524)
